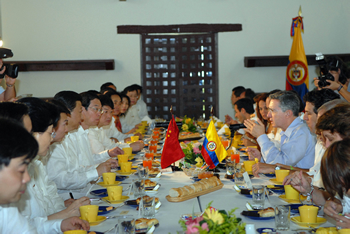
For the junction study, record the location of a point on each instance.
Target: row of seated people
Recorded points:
(62, 146)
(312, 145)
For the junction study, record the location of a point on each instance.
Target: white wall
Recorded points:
(86, 29)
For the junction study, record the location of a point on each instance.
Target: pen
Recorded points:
(71, 195)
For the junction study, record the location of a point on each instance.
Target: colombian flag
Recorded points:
(297, 70)
(213, 151)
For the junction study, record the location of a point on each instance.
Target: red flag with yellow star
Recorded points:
(171, 150)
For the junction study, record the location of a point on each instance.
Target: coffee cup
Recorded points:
(248, 165)
(89, 213)
(291, 193)
(281, 174)
(308, 214)
(128, 150)
(125, 166)
(109, 177)
(122, 158)
(114, 193)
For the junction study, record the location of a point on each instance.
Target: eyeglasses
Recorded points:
(94, 109)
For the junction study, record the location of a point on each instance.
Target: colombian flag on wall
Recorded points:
(213, 151)
(297, 70)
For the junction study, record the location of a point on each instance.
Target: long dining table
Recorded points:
(169, 213)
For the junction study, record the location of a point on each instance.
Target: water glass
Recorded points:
(282, 218)
(139, 188)
(239, 179)
(126, 225)
(147, 206)
(230, 167)
(142, 172)
(258, 196)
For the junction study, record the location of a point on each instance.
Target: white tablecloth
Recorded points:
(169, 213)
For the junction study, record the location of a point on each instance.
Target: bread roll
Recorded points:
(190, 189)
(141, 223)
(268, 212)
(151, 222)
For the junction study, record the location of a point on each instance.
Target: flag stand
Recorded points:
(199, 204)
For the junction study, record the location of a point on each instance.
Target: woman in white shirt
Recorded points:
(41, 198)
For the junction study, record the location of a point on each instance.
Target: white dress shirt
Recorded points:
(99, 141)
(72, 164)
(112, 131)
(12, 222)
(297, 146)
(316, 169)
(41, 198)
(131, 118)
(142, 108)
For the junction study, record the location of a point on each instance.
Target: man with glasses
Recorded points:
(72, 164)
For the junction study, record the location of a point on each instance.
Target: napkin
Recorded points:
(148, 119)
(222, 130)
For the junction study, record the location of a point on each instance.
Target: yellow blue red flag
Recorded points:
(213, 151)
(297, 70)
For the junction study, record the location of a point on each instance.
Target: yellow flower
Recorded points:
(187, 121)
(184, 127)
(214, 215)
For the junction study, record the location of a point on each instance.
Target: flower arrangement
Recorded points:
(188, 125)
(213, 221)
(192, 152)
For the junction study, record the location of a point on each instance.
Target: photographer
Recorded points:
(338, 81)
(10, 93)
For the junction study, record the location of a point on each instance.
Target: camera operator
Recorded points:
(338, 72)
(10, 93)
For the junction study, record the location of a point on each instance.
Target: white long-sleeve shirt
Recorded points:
(41, 198)
(142, 108)
(112, 131)
(72, 164)
(11, 221)
(131, 118)
(316, 169)
(99, 141)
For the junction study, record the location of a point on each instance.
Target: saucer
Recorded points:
(293, 201)
(107, 185)
(275, 181)
(99, 220)
(124, 198)
(102, 210)
(319, 221)
(126, 173)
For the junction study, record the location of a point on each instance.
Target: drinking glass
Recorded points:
(142, 172)
(282, 218)
(239, 180)
(126, 225)
(139, 188)
(147, 207)
(147, 162)
(230, 167)
(258, 196)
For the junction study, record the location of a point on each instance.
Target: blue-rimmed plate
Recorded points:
(99, 192)
(255, 215)
(265, 230)
(95, 232)
(102, 210)
(195, 179)
(294, 208)
(244, 157)
(249, 195)
(121, 178)
(270, 174)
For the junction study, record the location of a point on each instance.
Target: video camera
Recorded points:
(11, 69)
(325, 66)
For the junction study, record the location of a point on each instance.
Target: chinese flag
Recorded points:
(171, 149)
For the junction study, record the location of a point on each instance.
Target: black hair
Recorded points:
(87, 97)
(249, 93)
(106, 101)
(13, 110)
(60, 106)
(104, 91)
(334, 63)
(104, 87)
(138, 87)
(41, 113)
(320, 97)
(273, 91)
(15, 141)
(238, 90)
(94, 91)
(130, 88)
(69, 98)
(122, 95)
(245, 103)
